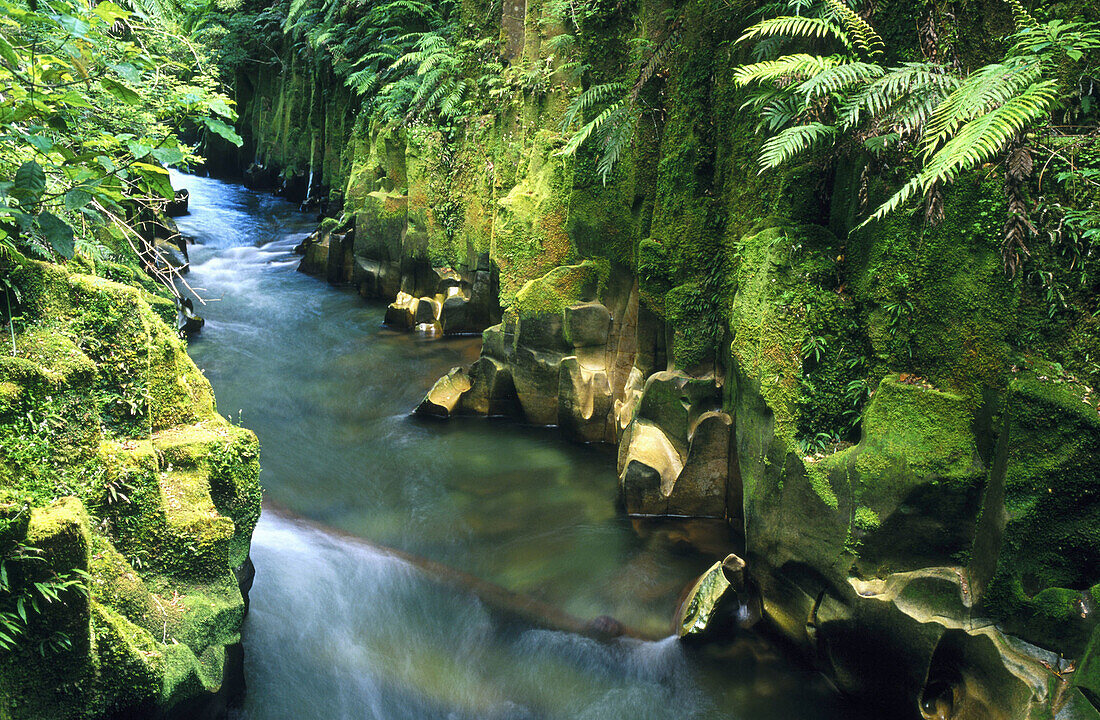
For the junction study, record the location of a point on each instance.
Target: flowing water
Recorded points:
(339, 628)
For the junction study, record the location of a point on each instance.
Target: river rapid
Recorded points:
(339, 628)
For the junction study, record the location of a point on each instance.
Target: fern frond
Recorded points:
(658, 57)
(839, 77)
(978, 141)
(860, 32)
(902, 196)
(983, 137)
(796, 27)
(1023, 19)
(878, 97)
(983, 90)
(622, 126)
(595, 95)
(793, 141)
(797, 65)
(778, 110)
(590, 129)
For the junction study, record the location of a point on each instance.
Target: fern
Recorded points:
(982, 91)
(797, 65)
(959, 121)
(796, 27)
(594, 127)
(590, 98)
(905, 95)
(839, 77)
(784, 146)
(860, 34)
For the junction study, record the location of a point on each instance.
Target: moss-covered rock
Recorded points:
(142, 501)
(1046, 578)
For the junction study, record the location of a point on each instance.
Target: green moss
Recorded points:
(558, 289)
(937, 300)
(98, 372)
(1050, 550)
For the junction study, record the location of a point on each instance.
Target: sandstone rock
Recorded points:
(587, 325)
(953, 666)
(700, 490)
(626, 409)
(535, 374)
(444, 396)
(541, 332)
(712, 603)
(496, 342)
(650, 466)
(177, 206)
(315, 254)
(427, 310)
(455, 316)
(339, 265)
(584, 400)
(401, 313)
(492, 391)
(672, 400)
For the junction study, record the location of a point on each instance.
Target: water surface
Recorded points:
(338, 629)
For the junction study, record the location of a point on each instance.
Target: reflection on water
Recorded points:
(339, 630)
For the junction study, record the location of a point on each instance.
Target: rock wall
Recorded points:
(119, 475)
(872, 412)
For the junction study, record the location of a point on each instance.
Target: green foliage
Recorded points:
(90, 94)
(948, 121)
(25, 593)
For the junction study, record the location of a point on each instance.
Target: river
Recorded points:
(340, 628)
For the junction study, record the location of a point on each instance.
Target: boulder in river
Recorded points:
(715, 601)
(443, 398)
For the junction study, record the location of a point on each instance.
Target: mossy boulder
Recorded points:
(141, 498)
(1046, 513)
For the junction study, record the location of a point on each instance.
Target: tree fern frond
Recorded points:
(983, 137)
(836, 78)
(860, 32)
(977, 142)
(1023, 19)
(982, 90)
(779, 109)
(796, 27)
(658, 57)
(877, 97)
(793, 141)
(622, 126)
(902, 196)
(768, 48)
(591, 128)
(797, 65)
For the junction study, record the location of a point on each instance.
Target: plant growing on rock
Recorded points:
(948, 121)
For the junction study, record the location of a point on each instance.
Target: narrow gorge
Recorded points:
(604, 359)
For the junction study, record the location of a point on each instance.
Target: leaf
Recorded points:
(109, 12)
(76, 199)
(127, 72)
(30, 183)
(120, 91)
(57, 233)
(7, 52)
(157, 179)
(41, 143)
(222, 129)
(168, 156)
